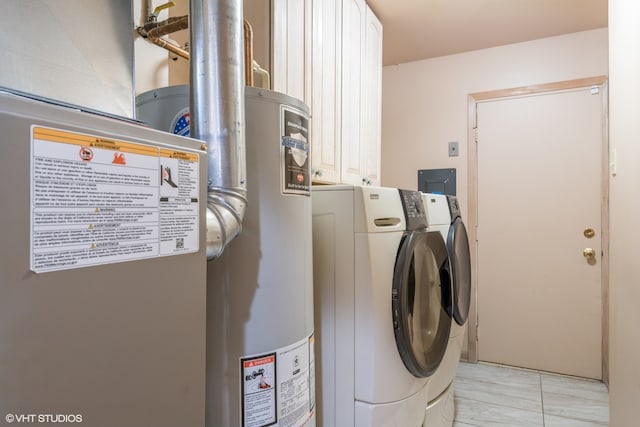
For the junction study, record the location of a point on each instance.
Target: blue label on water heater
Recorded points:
(181, 123)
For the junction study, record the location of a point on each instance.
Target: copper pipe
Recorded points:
(248, 53)
(170, 47)
(153, 31)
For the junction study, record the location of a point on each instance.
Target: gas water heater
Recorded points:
(260, 342)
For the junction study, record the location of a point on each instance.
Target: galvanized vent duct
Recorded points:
(217, 113)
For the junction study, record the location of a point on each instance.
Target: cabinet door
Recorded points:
(372, 102)
(353, 18)
(325, 92)
(291, 72)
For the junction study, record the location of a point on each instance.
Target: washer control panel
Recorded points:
(414, 211)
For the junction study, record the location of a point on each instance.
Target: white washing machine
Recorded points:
(443, 215)
(380, 281)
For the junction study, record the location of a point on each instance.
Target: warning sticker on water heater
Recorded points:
(97, 201)
(259, 391)
(278, 388)
(295, 153)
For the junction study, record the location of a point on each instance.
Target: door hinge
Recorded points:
(475, 134)
(477, 332)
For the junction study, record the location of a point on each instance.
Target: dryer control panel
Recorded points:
(414, 211)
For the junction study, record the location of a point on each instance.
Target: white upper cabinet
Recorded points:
(372, 100)
(353, 53)
(325, 91)
(361, 94)
(292, 34)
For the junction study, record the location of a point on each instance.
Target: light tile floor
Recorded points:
(492, 395)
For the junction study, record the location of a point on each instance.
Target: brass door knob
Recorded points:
(589, 253)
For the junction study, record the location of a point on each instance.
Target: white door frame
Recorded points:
(472, 202)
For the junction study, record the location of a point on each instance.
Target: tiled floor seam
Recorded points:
(588, 399)
(542, 400)
(494, 383)
(584, 420)
(505, 406)
(460, 423)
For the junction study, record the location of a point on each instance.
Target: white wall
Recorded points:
(179, 67)
(424, 103)
(150, 61)
(624, 110)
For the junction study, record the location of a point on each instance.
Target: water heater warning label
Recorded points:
(259, 390)
(97, 201)
(278, 388)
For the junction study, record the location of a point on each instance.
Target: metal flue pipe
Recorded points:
(217, 113)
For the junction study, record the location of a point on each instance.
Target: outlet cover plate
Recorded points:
(453, 149)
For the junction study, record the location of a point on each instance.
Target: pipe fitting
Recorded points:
(225, 212)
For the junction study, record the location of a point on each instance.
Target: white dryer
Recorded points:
(380, 279)
(443, 215)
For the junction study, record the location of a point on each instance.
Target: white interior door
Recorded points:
(539, 188)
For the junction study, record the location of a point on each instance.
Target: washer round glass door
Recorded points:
(458, 246)
(421, 301)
